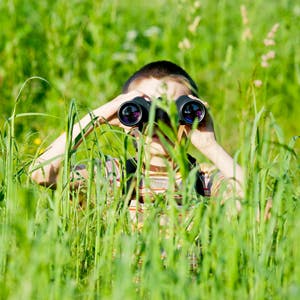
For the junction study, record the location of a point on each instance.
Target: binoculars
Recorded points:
(136, 111)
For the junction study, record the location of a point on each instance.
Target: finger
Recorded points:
(116, 122)
(127, 97)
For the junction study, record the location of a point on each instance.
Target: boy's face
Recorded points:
(155, 88)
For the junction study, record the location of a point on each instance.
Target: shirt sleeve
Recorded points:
(212, 179)
(215, 183)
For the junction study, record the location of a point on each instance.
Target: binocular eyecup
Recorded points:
(136, 111)
(190, 110)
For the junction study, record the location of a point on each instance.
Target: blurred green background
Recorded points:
(85, 50)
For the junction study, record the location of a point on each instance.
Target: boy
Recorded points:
(155, 80)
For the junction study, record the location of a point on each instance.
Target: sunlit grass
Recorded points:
(60, 60)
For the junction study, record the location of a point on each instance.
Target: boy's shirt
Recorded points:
(158, 181)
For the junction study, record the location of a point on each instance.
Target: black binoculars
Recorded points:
(136, 111)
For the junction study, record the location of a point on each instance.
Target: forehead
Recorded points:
(167, 87)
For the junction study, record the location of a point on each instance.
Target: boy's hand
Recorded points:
(108, 111)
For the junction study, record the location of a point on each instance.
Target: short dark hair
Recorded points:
(160, 69)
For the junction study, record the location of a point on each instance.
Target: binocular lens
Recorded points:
(136, 112)
(130, 114)
(192, 111)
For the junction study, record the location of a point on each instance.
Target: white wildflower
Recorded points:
(244, 15)
(257, 83)
(269, 42)
(264, 64)
(193, 27)
(270, 55)
(197, 4)
(152, 31)
(184, 44)
(272, 32)
(131, 35)
(247, 34)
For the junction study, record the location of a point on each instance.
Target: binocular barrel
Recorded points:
(136, 111)
(190, 110)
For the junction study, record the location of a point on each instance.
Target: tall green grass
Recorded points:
(52, 248)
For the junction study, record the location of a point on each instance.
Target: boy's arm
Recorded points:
(219, 157)
(203, 138)
(222, 160)
(46, 167)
